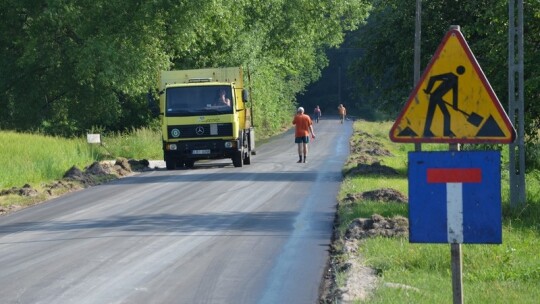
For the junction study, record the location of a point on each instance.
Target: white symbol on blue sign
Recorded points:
(455, 197)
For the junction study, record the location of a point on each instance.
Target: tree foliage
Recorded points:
(68, 66)
(384, 74)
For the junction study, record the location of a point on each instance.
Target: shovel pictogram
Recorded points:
(438, 86)
(473, 118)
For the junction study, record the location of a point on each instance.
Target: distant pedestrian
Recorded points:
(317, 114)
(303, 128)
(342, 112)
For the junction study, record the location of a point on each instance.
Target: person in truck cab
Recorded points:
(223, 100)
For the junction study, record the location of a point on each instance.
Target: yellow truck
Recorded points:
(204, 115)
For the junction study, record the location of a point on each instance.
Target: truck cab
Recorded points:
(204, 116)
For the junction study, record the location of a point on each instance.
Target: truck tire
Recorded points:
(170, 164)
(189, 163)
(247, 158)
(237, 158)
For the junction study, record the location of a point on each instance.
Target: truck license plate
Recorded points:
(201, 151)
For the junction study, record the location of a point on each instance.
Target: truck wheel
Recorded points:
(170, 164)
(247, 158)
(237, 159)
(189, 163)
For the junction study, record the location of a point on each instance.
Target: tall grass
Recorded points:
(34, 159)
(28, 158)
(136, 144)
(506, 273)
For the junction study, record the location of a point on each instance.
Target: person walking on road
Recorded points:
(303, 128)
(342, 112)
(317, 114)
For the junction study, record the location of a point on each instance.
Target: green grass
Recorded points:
(37, 160)
(506, 273)
(34, 159)
(136, 144)
(28, 158)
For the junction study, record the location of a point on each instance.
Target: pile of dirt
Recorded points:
(365, 154)
(75, 178)
(374, 168)
(361, 159)
(25, 190)
(371, 148)
(377, 225)
(381, 195)
(360, 279)
(360, 146)
(99, 172)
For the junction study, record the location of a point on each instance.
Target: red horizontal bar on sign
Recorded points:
(453, 175)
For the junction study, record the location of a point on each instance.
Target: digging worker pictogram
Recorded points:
(448, 82)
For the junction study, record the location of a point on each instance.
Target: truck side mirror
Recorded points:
(245, 95)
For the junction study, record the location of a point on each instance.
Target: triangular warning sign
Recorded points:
(453, 102)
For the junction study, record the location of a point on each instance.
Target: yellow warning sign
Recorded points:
(453, 102)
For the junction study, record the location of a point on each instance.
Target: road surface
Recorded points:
(214, 234)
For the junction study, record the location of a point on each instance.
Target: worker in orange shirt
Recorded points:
(342, 112)
(303, 128)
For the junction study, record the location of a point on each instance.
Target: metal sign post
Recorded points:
(454, 196)
(417, 43)
(457, 273)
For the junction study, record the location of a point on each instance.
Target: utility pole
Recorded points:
(516, 111)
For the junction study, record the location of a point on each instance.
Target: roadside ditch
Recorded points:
(348, 279)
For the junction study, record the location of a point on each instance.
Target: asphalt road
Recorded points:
(214, 234)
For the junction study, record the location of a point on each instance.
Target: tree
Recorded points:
(385, 72)
(68, 66)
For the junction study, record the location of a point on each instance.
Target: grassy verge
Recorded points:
(34, 159)
(37, 160)
(506, 273)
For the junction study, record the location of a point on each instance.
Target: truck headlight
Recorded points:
(228, 144)
(173, 147)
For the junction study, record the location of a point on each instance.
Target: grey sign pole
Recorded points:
(417, 43)
(516, 110)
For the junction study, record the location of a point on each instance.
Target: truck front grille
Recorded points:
(200, 130)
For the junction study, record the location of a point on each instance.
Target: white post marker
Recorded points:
(454, 207)
(454, 178)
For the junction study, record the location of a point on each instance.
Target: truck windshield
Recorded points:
(198, 100)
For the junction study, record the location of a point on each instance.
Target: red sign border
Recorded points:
(484, 81)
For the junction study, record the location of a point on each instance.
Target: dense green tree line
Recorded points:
(384, 73)
(68, 66)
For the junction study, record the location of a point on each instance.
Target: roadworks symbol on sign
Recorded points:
(453, 102)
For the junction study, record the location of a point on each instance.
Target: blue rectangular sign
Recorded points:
(455, 197)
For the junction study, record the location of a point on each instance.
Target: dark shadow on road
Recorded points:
(257, 222)
(295, 176)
